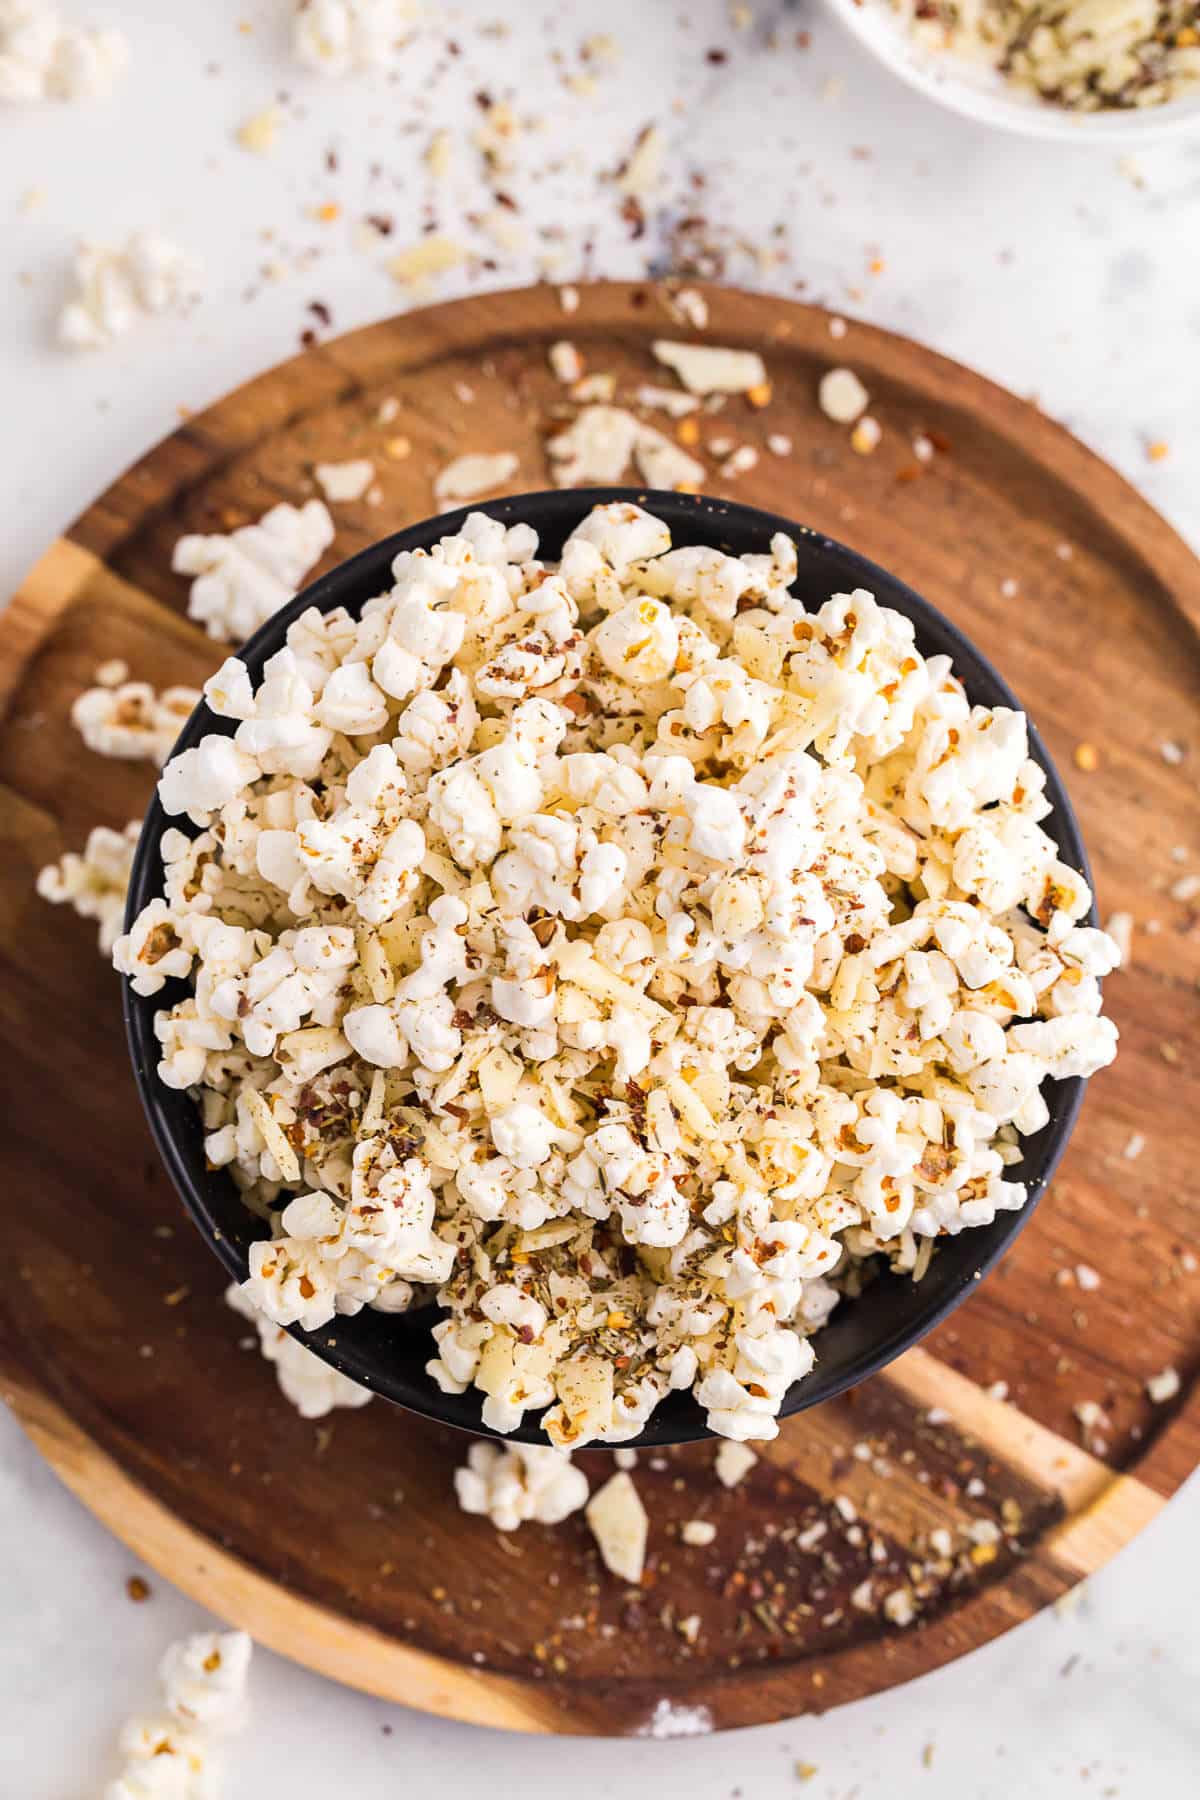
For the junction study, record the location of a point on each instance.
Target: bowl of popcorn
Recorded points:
(610, 968)
(1106, 71)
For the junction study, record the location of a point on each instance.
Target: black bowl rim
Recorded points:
(552, 511)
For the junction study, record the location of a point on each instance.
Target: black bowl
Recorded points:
(387, 1351)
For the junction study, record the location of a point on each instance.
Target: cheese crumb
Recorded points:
(344, 480)
(471, 475)
(708, 369)
(734, 1462)
(620, 1527)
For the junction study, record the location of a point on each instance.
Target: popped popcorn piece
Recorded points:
(95, 883)
(242, 578)
(733, 1463)
(116, 287)
(43, 58)
(313, 1387)
(345, 480)
(525, 1482)
(709, 369)
(620, 1527)
(619, 951)
(342, 37)
(470, 475)
(163, 1760)
(131, 721)
(204, 1679)
(842, 396)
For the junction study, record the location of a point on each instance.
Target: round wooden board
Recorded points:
(340, 1544)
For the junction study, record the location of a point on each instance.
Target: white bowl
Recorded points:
(982, 93)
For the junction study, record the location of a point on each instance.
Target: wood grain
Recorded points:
(339, 1544)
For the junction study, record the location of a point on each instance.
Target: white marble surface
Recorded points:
(1054, 270)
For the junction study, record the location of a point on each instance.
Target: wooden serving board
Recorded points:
(340, 1544)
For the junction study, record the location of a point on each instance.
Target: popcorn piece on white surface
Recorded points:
(312, 1386)
(345, 480)
(242, 578)
(132, 721)
(164, 1760)
(733, 1462)
(41, 57)
(620, 1527)
(525, 1482)
(342, 37)
(172, 1756)
(204, 1679)
(842, 396)
(473, 474)
(95, 883)
(116, 287)
(709, 369)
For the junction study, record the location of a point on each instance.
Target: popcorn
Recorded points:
(171, 1756)
(340, 37)
(619, 953)
(512, 1486)
(41, 58)
(95, 883)
(164, 1760)
(131, 721)
(150, 274)
(313, 1387)
(243, 578)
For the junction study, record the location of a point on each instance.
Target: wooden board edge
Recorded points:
(230, 427)
(56, 579)
(304, 1632)
(1105, 1508)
